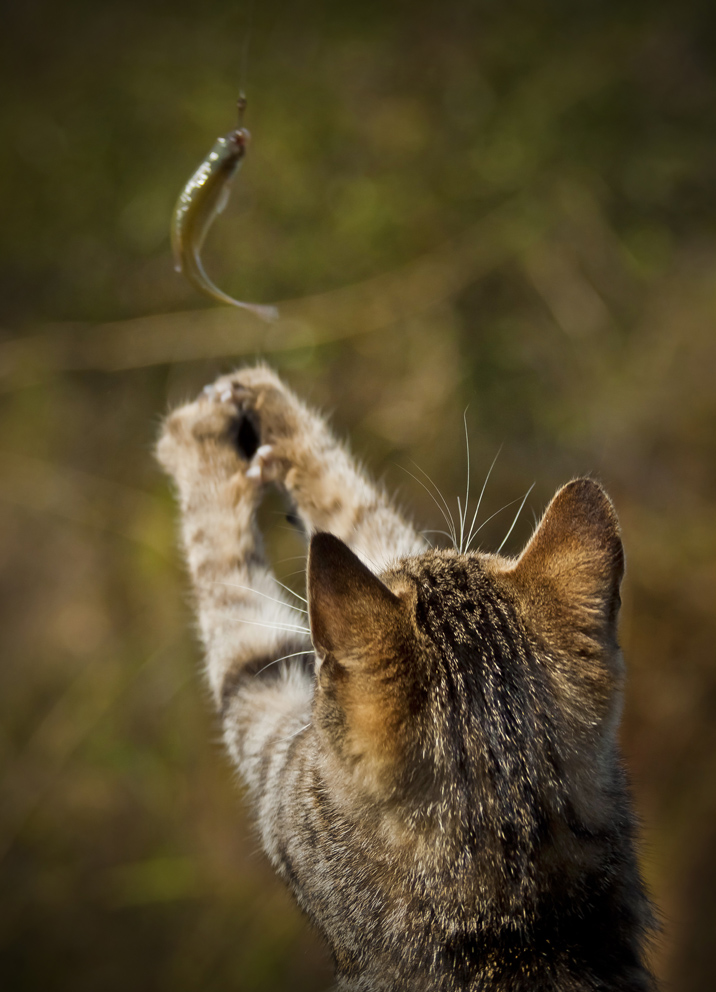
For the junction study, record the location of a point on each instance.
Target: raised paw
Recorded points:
(270, 420)
(203, 440)
(259, 393)
(241, 424)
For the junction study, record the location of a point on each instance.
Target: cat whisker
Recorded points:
(443, 532)
(516, 516)
(479, 501)
(296, 654)
(289, 529)
(485, 522)
(294, 734)
(277, 625)
(291, 591)
(298, 571)
(447, 517)
(236, 585)
(450, 522)
(463, 511)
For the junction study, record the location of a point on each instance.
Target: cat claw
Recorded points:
(223, 393)
(220, 394)
(259, 463)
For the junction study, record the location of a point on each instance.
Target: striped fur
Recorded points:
(433, 764)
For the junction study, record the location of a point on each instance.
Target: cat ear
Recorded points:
(361, 632)
(352, 613)
(575, 559)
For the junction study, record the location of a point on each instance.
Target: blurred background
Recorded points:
(505, 207)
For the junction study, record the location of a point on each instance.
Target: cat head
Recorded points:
(454, 683)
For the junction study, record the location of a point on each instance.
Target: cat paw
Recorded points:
(243, 422)
(269, 419)
(206, 439)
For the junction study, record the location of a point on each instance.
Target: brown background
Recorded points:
(505, 206)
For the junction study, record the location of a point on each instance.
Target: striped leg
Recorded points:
(246, 624)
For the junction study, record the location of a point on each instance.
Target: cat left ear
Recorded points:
(362, 634)
(351, 611)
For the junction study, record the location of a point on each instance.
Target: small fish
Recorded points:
(204, 196)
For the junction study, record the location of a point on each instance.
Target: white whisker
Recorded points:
(463, 513)
(289, 529)
(447, 517)
(294, 734)
(443, 532)
(451, 522)
(485, 522)
(289, 590)
(274, 626)
(516, 516)
(282, 602)
(479, 501)
(460, 518)
(296, 654)
(298, 571)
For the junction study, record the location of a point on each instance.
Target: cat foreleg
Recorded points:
(244, 619)
(329, 490)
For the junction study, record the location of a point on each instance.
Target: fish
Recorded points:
(204, 197)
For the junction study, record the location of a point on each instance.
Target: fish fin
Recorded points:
(223, 200)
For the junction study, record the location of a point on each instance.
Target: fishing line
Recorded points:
(244, 70)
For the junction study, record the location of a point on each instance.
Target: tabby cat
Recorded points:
(434, 763)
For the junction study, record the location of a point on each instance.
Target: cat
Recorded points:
(433, 761)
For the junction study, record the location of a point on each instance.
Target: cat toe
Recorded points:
(261, 467)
